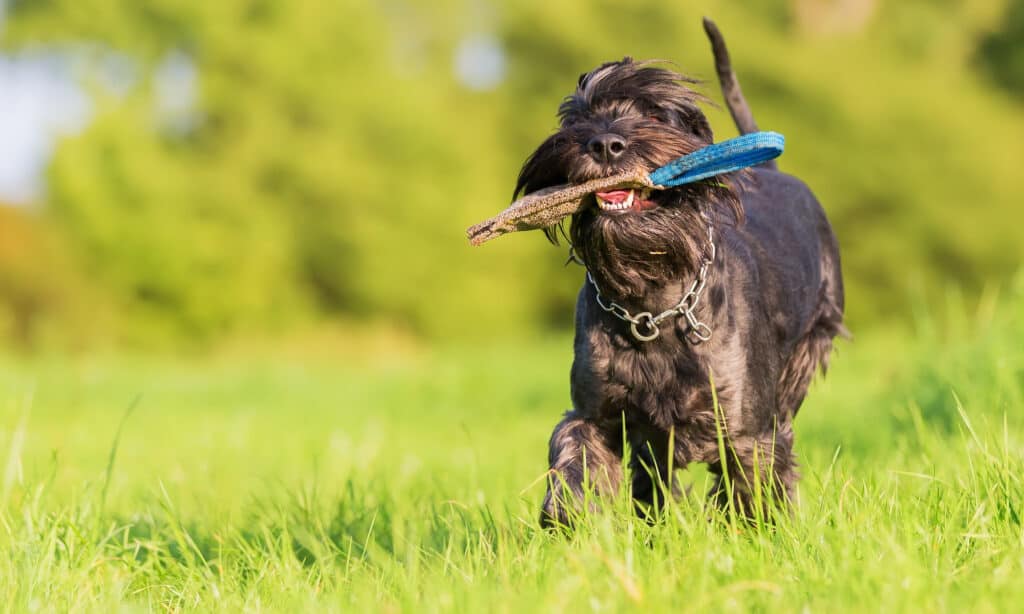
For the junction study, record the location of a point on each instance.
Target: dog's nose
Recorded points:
(606, 147)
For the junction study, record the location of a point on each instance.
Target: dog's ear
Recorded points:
(686, 115)
(542, 169)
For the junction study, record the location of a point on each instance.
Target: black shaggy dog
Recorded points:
(748, 259)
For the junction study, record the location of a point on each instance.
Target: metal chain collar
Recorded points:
(697, 331)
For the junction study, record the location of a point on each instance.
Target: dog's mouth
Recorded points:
(624, 200)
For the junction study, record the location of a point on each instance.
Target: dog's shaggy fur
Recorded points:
(774, 301)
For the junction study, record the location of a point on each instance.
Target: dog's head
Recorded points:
(631, 116)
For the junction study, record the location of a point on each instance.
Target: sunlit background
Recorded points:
(183, 175)
(250, 362)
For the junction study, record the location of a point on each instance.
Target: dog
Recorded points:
(747, 261)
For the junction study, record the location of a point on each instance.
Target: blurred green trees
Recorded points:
(1001, 51)
(333, 159)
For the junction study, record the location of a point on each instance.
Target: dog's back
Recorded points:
(800, 282)
(793, 253)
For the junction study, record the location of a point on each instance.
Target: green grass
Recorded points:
(413, 484)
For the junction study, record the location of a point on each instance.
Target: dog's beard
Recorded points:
(659, 236)
(631, 254)
(651, 237)
(633, 244)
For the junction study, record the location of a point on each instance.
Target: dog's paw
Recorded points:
(556, 513)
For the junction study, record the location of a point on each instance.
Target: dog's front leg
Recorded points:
(584, 457)
(760, 473)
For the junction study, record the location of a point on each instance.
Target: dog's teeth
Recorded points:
(606, 205)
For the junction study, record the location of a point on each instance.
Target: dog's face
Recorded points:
(629, 116)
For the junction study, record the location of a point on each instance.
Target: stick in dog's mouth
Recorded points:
(545, 208)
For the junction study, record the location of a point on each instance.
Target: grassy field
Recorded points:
(413, 484)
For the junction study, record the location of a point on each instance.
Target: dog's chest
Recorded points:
(664, 383)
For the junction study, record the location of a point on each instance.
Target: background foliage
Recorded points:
(347, 441)
(333, 160)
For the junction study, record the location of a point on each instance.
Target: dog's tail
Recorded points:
(734, 99)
